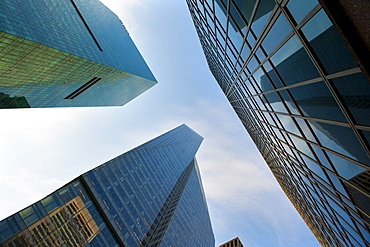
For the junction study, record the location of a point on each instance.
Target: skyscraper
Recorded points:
(62, 53)
(232, 243)
(296, 73)
(151, 195)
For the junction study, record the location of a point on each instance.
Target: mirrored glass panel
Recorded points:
(327, 44)
(345, 168)
(277, 33)
(293, 64)
(315, 100)
(263, 12)
(340, 139)
(299, 9)
(355, 91)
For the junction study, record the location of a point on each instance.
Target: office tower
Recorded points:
(232, 243)
(298, 79)
(151, 195)
(62, 53)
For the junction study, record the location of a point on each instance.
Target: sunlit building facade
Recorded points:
(151, 195)
(62, 53)
(296, 76)
(232, 243)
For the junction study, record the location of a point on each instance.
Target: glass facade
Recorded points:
(304, 101)
(149, 196)
(51, 49)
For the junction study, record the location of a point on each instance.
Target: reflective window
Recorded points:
(299, 9)
(220, 14)
(293, 64)
(367, 135)
(355, 92)
(315, 168)
(245, 7)
(327, 44)
(288, 101)
(288, 124)
(302, 146)
(245, 52)
(275, 102)
(337, 183)
(262, 14)
(307, 132)
(345, 168)
(315, 100)
(260, 55)
(278, 32)
(271, 73)
(235, 35)
(252, 64)
(251, 39)
(340, 139)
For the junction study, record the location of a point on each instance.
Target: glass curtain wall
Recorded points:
(303, 99)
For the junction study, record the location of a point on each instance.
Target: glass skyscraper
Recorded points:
(303, 94)
(151, 195)
(62, 53)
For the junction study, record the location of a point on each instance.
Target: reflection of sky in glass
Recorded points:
(345, 168)
(235, 36)
(278, 107)
(299, 9)
(288, 124)
(258, 24)
(290, 47)
(277, 33)
(320, 22)
(220, 13)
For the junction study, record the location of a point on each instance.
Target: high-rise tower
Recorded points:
(297, 74)
(149, 196)
(232, 243)
(62, 53)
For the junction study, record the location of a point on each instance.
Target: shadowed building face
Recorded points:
(301, 89)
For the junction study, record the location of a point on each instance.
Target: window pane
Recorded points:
(278, 32)
(262, 14)
(355, 92)
(293, 64)
(245, 7)
(345, 168)
(340, 139)
(315, 100)
(300, 8)
(327, 44)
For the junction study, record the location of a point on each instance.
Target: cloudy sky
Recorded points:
(42, 149)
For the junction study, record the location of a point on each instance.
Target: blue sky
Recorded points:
(42, 149)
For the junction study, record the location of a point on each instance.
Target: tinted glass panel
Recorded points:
(277, 33)
(340, 139)
(327, 44)
(315, 100)
(299, 9)
(293, 64)
(355, 92)
(345, 168)
(263, 12)
(235, 36)
(245, 7)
